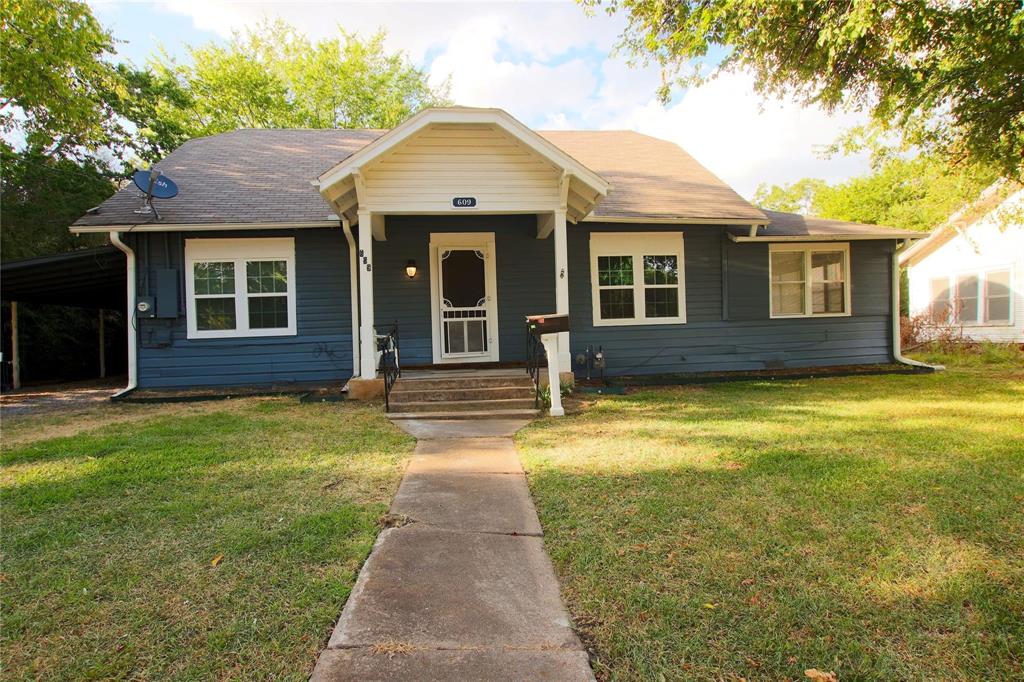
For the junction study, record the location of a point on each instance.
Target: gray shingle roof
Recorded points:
(245, 176)
(263, 176)
(796, 225)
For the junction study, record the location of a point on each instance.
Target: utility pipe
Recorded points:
(129, 320)
(353, 259)
(897, 355)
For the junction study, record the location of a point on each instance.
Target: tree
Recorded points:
(55, 92)
(912, 194)
(274, 77)
(797, 197)
(947, 77)
(40, 196)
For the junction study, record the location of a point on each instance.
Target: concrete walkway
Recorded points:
(465, 590)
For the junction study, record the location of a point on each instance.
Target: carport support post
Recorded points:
(562, 286)
(103, 348)
(15, 356)
(367, 338)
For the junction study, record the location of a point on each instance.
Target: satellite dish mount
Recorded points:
(156, 186)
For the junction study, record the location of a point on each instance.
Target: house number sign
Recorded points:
(464, 202)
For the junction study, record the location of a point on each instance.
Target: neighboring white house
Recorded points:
(971, 271)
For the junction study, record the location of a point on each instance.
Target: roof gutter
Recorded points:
(202, 227)
(821, 238)
(133, 352)
(897, 354)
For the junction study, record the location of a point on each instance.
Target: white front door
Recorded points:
(464, 297)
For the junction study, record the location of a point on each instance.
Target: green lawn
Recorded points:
(869, 526)
(111, 531)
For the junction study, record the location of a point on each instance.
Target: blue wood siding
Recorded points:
(321, 351)
(727, 305)
(525, 269)
(727, 296)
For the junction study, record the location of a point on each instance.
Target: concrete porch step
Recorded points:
(466, 414)
(459, 405)
(459, 382)
(404, 392)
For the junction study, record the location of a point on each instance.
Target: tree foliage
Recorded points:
(912, 194)
(58, 85)
(274, 77)
(41, 195)
(944, 76)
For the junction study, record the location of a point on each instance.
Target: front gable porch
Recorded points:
(447, 164)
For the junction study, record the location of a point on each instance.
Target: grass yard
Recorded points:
(209, 541)
(870, 526)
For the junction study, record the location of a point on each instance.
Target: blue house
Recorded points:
(289, 253)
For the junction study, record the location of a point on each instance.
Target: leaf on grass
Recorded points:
(709, 605)
(216, 560)
(820, 675)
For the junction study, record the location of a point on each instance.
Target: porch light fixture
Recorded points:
(410, 269)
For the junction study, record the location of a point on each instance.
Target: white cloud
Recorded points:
(532, 90)
(746, 140)
(549, 64)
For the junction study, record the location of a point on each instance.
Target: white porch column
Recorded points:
(367, 340)
(562, 286)
(551, 347)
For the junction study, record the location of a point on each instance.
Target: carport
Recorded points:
(89, 278)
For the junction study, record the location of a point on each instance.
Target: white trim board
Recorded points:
(470, 240)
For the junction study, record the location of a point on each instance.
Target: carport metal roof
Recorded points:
(90, 278)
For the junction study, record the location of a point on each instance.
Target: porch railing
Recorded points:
(535, 359)
(390, 368)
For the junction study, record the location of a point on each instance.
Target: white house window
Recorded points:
(967, 298)
(938, 310)
(637, 278)
(997, 297)
(240, 287)
(809, 280)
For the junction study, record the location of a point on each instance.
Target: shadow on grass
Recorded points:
(110, 536)
(870, 525)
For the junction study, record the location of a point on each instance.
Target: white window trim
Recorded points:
(637, 245)
(808, 248)
(238, 251)
(981, 273)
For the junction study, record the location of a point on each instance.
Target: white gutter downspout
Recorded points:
(354, 289)
(897, 355)
(133, 360)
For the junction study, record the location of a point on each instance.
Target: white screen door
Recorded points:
(464, 281)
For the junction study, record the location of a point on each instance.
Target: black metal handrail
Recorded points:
(390, 368)
(535, 355)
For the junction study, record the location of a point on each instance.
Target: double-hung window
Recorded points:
(240, 287)
(997, 297)
(637, 278)
(938, 307)
(967, 286)
(973, 297)
(809, 280)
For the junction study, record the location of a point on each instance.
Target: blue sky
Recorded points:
(547, 63)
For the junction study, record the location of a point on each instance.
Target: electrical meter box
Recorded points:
(145, 306)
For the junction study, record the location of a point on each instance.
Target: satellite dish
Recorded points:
(162, 186)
